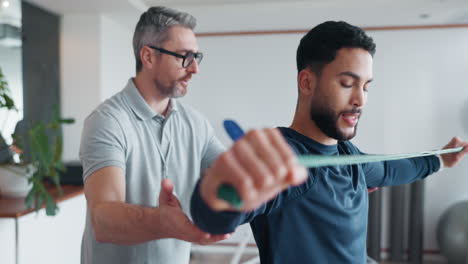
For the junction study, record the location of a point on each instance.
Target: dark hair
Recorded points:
(153, 26)
(319, 46)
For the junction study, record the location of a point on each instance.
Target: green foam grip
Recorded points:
(229, 194)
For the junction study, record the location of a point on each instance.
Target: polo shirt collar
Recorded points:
(139, 106)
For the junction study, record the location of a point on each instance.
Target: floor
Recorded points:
(204, 258)
(427, 262)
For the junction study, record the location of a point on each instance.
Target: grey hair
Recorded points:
(153, 25)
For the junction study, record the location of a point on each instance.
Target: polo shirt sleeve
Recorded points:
(102, 143)
(212, 149)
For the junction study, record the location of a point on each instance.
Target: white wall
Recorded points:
(96, 62)
(117, 60)
(11, 64)
(80, 75)
(8, 240)
(251, 79)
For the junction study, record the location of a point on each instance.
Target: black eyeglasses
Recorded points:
(187, 58)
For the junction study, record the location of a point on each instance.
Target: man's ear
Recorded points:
(146, 57)
(307, 81)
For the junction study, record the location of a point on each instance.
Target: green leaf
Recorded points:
(50, 205)
(30, 197)
(9, 103)
(6, 100)
(58, 147)
(59, 166)
(67, 121)
(40, 200)
(39, 147)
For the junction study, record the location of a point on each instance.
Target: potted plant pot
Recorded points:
(14, 180)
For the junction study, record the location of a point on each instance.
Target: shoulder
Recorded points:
(108, 119)
(113, 109)
(295, 140)
(114, 106)
(192, 117)
(189, 112)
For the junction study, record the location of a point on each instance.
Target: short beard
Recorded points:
(327, 120)
(171, 92)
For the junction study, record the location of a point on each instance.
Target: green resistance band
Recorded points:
(229, 194)
(314, 161)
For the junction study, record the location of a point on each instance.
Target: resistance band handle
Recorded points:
(226, 192)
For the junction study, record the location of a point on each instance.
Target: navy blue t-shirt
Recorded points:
(323, 220)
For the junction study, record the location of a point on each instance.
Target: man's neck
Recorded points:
(157, 102)
(307, 127)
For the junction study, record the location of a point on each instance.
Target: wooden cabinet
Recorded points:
(7, 240)
(27, 237)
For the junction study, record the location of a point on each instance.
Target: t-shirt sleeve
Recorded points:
(102, 143)
(396, 172)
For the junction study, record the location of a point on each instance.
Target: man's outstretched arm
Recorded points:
(404, 171)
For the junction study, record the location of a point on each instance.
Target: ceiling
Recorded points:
(277, 14)
(99, 6)
(63, 7)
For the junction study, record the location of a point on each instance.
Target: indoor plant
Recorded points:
(37, 148)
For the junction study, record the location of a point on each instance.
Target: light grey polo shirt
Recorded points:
(125, 132)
